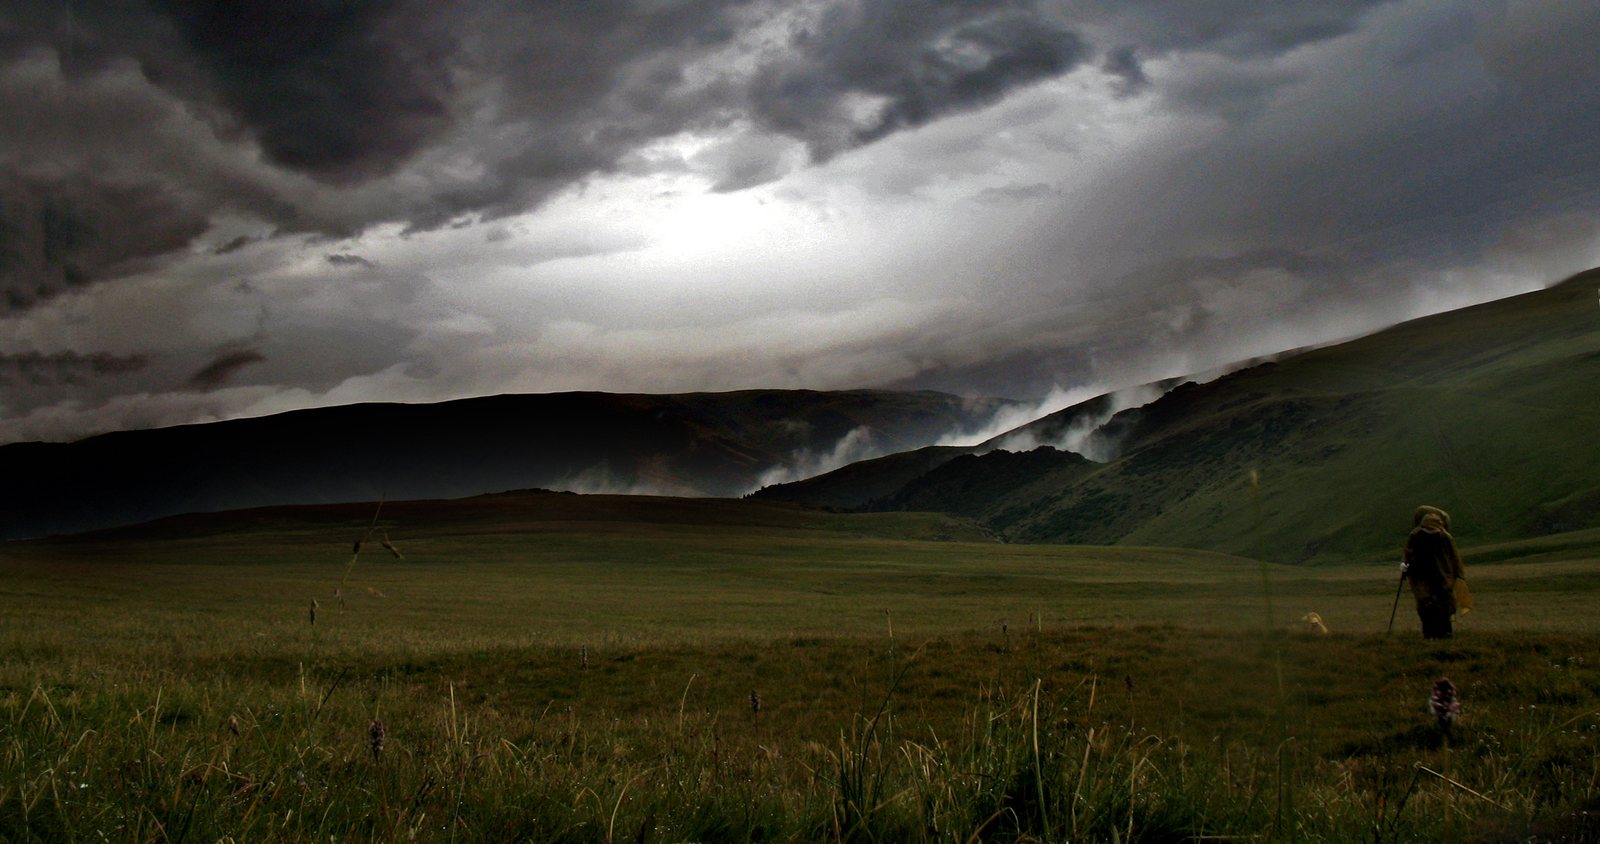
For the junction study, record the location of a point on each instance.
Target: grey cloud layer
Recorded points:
(1301, 170)
(369, 111)
(372, 111)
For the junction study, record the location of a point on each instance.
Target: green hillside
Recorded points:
(1490, 412)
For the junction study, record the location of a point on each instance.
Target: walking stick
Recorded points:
(1397, 587)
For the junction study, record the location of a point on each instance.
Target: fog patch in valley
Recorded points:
(859, 444)
(1083, 432)
(601, 479)
(1025, 426)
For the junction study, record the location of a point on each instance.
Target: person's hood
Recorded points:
(1424, 512)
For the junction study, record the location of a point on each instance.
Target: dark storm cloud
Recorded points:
(921, 59)
(340, 91)
(234, 245)
(217, 372)
(64, 368)
(344, 260)
(1123, 63)
(59, 234)
(481, 107)
(1219, 170)
(1237, 28)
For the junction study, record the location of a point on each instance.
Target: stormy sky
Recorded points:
(215, 208)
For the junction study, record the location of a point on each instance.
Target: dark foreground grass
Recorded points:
(1151, 733)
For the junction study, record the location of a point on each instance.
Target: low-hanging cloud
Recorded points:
(217, 372)
(856, 445)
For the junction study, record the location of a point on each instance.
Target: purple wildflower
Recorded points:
(1444, 703)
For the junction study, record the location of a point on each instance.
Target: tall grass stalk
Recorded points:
(1282, 824)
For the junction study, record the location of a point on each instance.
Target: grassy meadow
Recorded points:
(588, 668)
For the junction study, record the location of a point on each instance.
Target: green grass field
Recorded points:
(563, 668)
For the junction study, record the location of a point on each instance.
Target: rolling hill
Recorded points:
(702, 444)
(1490, 412)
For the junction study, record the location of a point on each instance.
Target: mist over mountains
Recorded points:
(1489, 412)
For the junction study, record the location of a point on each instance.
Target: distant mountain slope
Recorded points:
(1491, 412)
(860, 484)
(695, 444)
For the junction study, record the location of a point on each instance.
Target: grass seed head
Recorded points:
(313, 610)
(755, 701)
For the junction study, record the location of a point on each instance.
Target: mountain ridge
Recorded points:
(1487, 411)
(708, 444)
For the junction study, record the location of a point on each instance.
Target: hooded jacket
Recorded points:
(1433, 562)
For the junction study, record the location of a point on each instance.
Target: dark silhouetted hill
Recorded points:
(701, 444)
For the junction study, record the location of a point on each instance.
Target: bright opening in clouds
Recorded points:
(214, 209)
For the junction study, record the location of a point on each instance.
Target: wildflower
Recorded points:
(1444, 703)
(313, 610)
(375, 738)
(755, 701)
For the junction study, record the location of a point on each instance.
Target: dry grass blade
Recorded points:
(1427, 770)
(355, 552)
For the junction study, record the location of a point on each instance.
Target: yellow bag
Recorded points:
(1463, 596)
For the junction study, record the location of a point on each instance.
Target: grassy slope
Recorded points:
(1488, 412)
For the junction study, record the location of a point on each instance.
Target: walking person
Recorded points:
(1433, 565)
